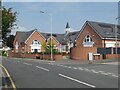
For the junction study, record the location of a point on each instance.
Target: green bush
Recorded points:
(4, 53)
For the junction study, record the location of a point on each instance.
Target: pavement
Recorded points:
(64, 61)
(31, 73)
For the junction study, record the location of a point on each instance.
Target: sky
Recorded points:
(60, 0)
(75, 13)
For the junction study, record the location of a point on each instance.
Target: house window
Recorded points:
(88, 42)
(63, 47)
(88, 38)
(55, 47)
(16, 47)
(35, 42)
(23, 50)
(35, 46)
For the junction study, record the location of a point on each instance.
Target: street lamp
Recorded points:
(50, 14)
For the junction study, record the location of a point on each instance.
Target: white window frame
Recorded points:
(63, 48)
(23, 50)
(16, 47)
(35, 44)
(88, 41)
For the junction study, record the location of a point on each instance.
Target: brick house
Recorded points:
(31, 41)
(95, 35)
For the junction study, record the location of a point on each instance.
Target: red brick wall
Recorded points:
(54, 41)
(81, 53)
(87, 30)
(58, 57)
(33, 56)
(12, 54)
(113, 56)
(37, 36)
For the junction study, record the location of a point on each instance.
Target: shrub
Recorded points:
(4, 53)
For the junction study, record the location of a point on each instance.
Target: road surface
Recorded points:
(49, 74)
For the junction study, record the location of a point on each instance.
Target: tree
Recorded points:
(8, 22)
(44, 46)
(10, 40)
(47, 47)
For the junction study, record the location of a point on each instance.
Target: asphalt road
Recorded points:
(44, 74)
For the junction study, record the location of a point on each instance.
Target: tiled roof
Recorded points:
(71, 36)
(57, 36)
(61, 38)
(23, 36)
(105, 30)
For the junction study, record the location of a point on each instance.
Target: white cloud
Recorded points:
(13, 32)
(60, 0)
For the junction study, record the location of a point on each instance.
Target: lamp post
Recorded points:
(49, 14)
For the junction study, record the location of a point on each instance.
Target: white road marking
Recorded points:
(42, 68)
(80, 68)
(74, 68)
(94, 71)
(69, 67)
(109, 73)
(51, 63)
(101, 71)
(27, 64)
(87, 69)
(65, 66)
(104, 73)
(114, 75)
(77, 80)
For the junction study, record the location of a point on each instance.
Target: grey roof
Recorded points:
(105, 30)
(71, 36)
(57, 36)
(23, 36)
(62, 38)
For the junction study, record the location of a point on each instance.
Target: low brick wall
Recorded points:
(12, 54)
(34, 56)
(58, 57)
(112, 56)
(81, 53)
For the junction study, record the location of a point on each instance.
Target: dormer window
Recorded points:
(88, 42)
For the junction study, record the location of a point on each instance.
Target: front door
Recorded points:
(35, 50)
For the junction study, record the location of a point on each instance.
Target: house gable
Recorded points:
(34, 36)
(88, 30)
(54, 40)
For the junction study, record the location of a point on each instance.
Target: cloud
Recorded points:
(20, 28)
